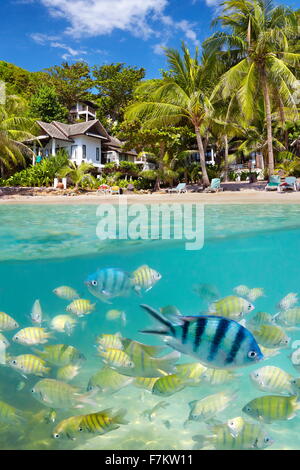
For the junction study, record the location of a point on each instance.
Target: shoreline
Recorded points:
(226, 197)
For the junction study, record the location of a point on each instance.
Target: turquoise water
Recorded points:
(43, 247)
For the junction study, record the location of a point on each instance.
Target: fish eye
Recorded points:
(266, 439)
(80, 429)
(130, 364)
(56, 436)
(248, 408)
(32, 391)
(14, 362)
(252, 354)
(16, 338)
(94, 283)
(249, 307)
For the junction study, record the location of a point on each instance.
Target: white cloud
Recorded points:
(99, 17)
(43, 39)
(159, 49)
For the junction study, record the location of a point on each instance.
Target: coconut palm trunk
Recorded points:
(226, 157)
(205, 178)
(267, 104)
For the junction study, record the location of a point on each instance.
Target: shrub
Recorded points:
(42, 174)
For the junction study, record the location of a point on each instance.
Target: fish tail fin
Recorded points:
(40, 353)
(87, 398)
(167, 363)
(50, 335)
(47, 370)
(119, 416)
(160, 318)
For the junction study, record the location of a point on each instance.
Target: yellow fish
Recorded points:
(81, 307)
(102, 422)
(32, 335)
(66, 293)
(29, 364)
(7, 323)
(67, 373)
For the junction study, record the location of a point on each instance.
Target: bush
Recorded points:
(42, 174)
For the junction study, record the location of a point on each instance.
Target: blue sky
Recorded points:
(36, 34)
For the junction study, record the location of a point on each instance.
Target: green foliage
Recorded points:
(42, 174)
(72, 82)
(20, 81)
(79, 175)
(115, 84)
(45, 106)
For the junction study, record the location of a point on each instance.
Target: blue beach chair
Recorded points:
(273, 184)
(180, 188)
(289, 184)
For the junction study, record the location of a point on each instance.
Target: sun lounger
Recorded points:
(273, 184)
(115, 190)
(215, 186)
(288, 185)
(180, 188)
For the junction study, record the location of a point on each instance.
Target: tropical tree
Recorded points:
(180, 97)
(257, 35)
(15, 130)
(45, 105)
(77, 174)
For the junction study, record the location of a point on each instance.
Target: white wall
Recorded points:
(91, 144)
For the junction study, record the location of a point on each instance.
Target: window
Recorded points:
(74, 152)
(84, 152)
(97, 154)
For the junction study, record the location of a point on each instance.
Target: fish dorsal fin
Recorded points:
(189, 318)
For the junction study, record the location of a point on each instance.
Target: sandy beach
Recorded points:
(226, 197)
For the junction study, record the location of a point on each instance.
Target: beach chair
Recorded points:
(115, 190)
(180, 188)
(289, 184)
(273, 183)
(215, 186)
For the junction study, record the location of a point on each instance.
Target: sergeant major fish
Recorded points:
(216, 342)
(108, 283)
(231, 307)
(144, 278)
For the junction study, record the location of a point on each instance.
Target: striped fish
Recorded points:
(272, 379)
(217, 376)
(146, 383)
(56, 394)
(67, 373)
(102, 422)
(288, 318)
(109, 283)
(105, 341)
(250, 437)
(209, 406)
(146, 365)
(168, 385)
(231, 307)
(144, 278)
(271, 336)
(68, 428)
(108, 380)
(32, 335)
(271, 408)
(216, 342)
(29, 364)
(7, 323)
(81, 307)
(193, 372)
(60, 355)
(116, 358)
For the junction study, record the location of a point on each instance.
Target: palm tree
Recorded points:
(258, 36)
(78, 174)
(180, 97)
(15, 130)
